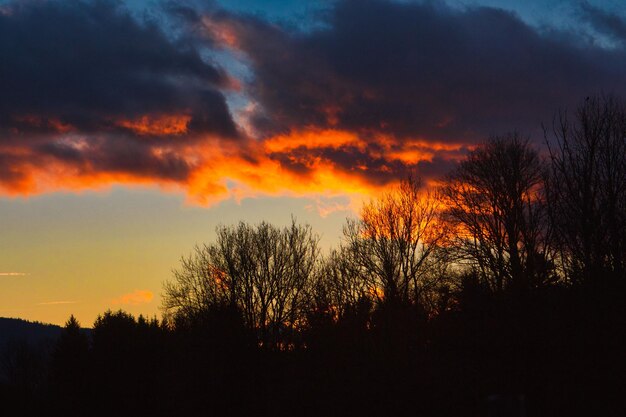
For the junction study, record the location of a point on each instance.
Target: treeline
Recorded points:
(498, 291)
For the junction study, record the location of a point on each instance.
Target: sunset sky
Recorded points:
(129, 130)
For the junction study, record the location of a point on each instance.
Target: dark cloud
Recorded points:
(90, 71)
(120, 155)
(420, 70)
(372, 90)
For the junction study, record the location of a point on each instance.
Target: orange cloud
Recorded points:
(227, 172)
(320, 164)
(134, 298)
(56, 176)
(157, 125)
(265, 175)
(311, 139)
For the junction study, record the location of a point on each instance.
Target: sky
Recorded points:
(130, 130)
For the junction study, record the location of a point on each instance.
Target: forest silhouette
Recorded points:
(497, 291)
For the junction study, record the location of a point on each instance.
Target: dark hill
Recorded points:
(18, 330)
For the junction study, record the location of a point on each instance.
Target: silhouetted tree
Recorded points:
(587, 188)
(69, 366)
(394, 243)
(128, 361)
(72, 346)
(338, 287)
(495, 202)
(263, 270)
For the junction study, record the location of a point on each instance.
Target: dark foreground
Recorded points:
(553, 352)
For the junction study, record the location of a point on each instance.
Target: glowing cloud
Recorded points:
(134, 298)
(155, 125)
(325, 162)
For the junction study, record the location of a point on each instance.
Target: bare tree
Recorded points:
(587, 188)
(495, 202)
(338, 288)
(262, 270)
(198, 285)
(393, 242)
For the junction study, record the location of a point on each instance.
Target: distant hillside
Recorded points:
(19, 337)
(18, 330)
(31, 332)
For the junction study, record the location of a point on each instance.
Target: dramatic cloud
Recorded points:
(90, 92)
(134, 298)
(375, 89)
(399, 73)
(418, 70)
